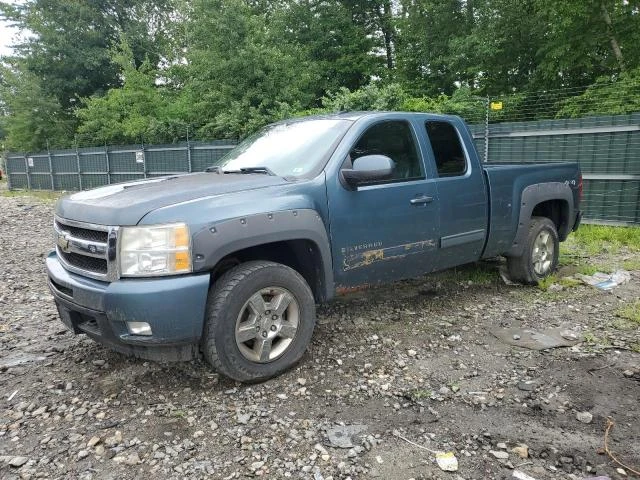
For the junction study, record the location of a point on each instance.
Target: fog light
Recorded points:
(139, 328)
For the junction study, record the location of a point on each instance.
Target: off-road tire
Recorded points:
(228, 296)
(521, 269)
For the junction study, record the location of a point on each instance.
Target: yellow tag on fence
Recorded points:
(496, 105)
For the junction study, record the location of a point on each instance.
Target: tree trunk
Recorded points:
(386, 25)
(612, 38)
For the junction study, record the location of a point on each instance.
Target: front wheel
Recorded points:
(539, 257)
(260, 319)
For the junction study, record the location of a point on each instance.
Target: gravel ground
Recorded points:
(415, 359)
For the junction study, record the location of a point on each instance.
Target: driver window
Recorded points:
(394, 139)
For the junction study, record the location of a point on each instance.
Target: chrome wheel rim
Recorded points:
(543, 252)
(267, 324)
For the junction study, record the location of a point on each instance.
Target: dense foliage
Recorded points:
(130, 71)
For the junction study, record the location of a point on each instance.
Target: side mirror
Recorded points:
(367, 169)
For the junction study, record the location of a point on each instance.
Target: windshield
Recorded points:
(295, 149)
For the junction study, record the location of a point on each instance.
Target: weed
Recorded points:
(596, 238)
(622, 324)
(589, 337)
(476, 273)
(633, 264)
(586, 269)
(44, 195)
(630, 312)
(420, 394)
(545, 283)
(567, 282)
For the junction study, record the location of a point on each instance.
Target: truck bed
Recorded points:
(505, 183)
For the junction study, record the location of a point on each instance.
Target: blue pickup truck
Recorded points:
(230, 263)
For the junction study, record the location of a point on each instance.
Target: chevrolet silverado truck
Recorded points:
(231, 262)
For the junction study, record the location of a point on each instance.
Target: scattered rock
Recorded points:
(17, 462)
(528, 385)
(93, 442)
(521, 450)
(499, 454)
(243, 418)
(342, 436)
(584, 417)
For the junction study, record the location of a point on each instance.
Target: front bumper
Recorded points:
(174, 307)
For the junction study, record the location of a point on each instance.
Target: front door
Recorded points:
(387, 230)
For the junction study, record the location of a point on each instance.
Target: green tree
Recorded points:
(333, 40)
(32, 120)
(605, 98)
(236, 78)
(585, 40)
(140, 111)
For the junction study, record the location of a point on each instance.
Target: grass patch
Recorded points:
(594, 340)
(44, 195)
(630, 312)
(587, 269)
(633, 264)
(420, 394)
(596, 238)
(475, 273)
(545, 283)
(566, 282)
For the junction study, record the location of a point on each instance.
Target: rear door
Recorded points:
(463, 213)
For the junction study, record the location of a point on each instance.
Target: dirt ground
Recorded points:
(415, 360)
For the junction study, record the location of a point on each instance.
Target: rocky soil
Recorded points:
(415, 362)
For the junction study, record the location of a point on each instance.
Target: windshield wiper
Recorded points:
(217, 169)
(266, 170)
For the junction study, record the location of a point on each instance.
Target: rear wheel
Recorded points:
(539, 258)
(260, 319)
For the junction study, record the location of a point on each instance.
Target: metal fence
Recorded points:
(607, 148)
(83, 168)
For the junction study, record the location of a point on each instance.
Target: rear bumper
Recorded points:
(174, 307)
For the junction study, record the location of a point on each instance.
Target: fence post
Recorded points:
(79, 168)
(189, 152)
(486, 131)
(6, 170)
(53, 185)
(26, 167)
(106, 156)
(144, 161)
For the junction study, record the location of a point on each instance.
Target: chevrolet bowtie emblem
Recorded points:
(63, 242)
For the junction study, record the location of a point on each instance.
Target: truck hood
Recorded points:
(127, 203)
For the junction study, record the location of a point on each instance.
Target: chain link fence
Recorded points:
(551, 126)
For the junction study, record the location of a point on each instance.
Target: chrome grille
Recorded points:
(87, 249)
(84, 233)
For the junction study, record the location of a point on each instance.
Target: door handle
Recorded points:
(421, 200)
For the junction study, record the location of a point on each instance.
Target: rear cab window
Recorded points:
(448, 153)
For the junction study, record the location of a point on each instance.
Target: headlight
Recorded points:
(155, 250)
